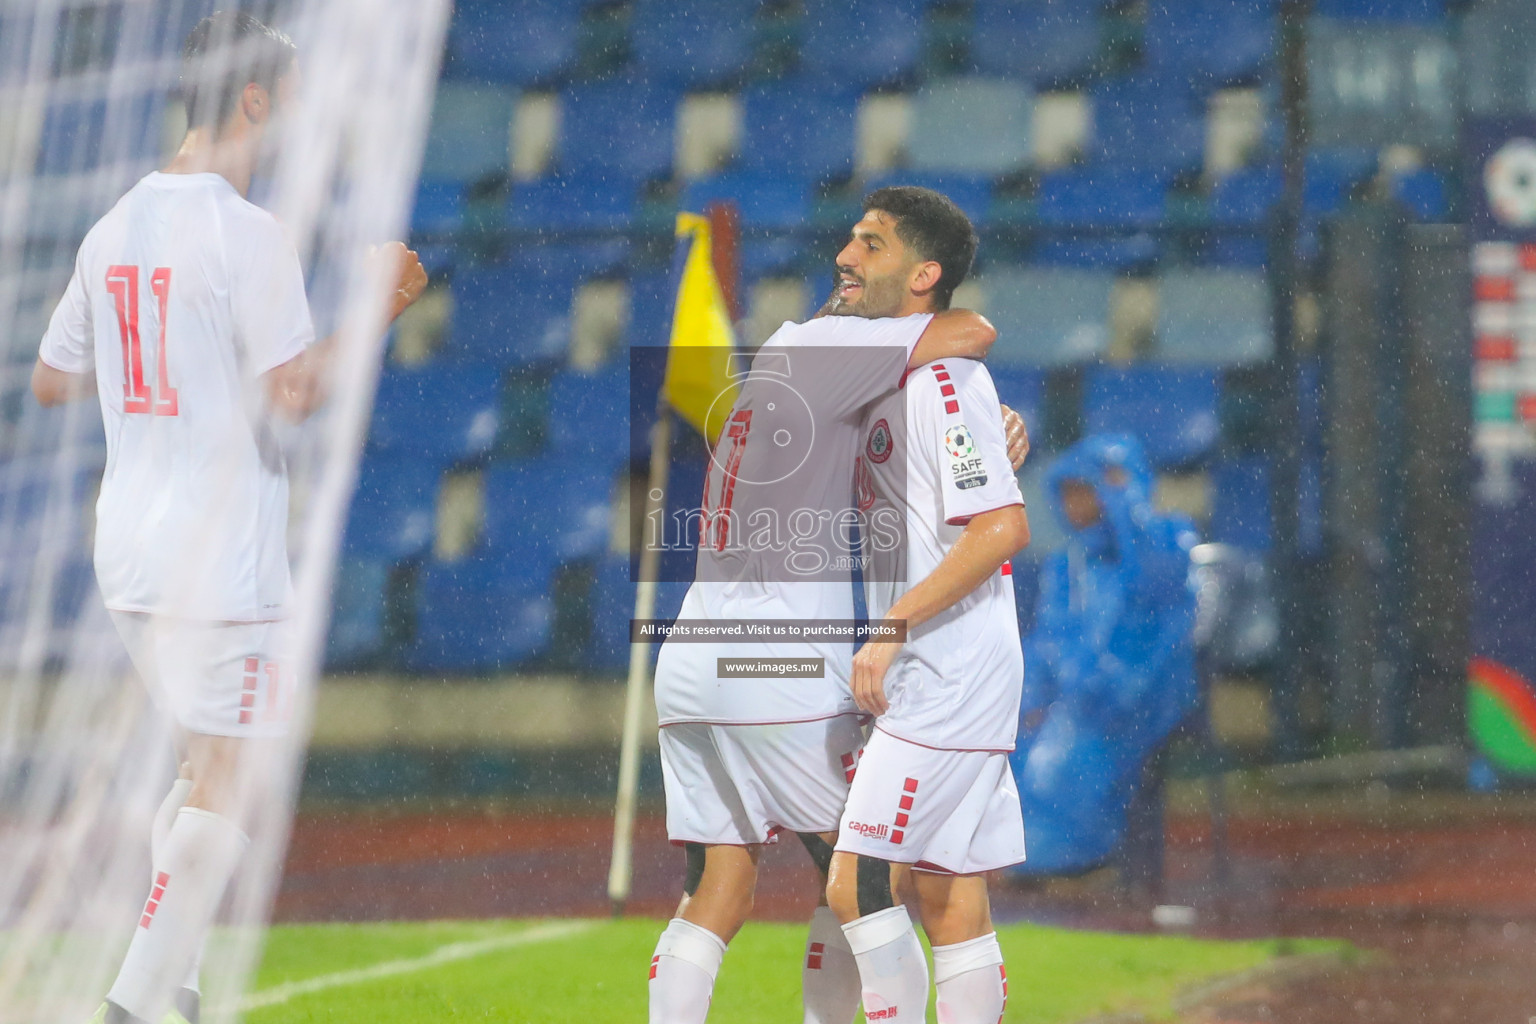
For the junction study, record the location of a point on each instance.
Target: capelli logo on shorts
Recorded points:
(870, 832)
(889, 1013)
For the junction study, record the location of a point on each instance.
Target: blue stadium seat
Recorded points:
(971, 125)
(529, 43)
(691, 43)
(169, 25)
(1101, 198)
(862, 43)
(1023, 391)
(1210, 43)
(555, 507)
(1047, 317)
(438, 209)
(1147, 124)
(764, 200)
(573, 202)
(512, 313)
(800, 128)
(1214, 317)
(81, 135)
(1331, 173)
(445, 412)
(621, 126)
(1095, 217)
(1046, 44)
(589, 415)
(393, 515)
(757, 258)
(1422, 193)
(1430, 12)
(358, 594)
(1096, 252)
(1240, 504)
(1378, 84)
(1245, 197)
(651, 296)
(612, 605)
(484, 612)
(971, 192)
(1172, 411)
(470, 134)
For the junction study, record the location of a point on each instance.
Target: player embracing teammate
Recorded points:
(188, 317)
(934, 791)
(747, 756)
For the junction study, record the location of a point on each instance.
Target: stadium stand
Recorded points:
(445, 412)
(693, 44)
(799, 127)
(534, 48)
(470, 132)
(1049, 45)
(1079, 135)
(1213, 317)
(1173, 411)
(1048, 317)
(971, 124)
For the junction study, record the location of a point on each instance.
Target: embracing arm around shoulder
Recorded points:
(954, 334)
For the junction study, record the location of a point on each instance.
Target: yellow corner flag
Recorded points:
(698, 383)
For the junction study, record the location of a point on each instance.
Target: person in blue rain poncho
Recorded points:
(1109, 667)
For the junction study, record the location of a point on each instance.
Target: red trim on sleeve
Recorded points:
(947, 390)
(1007, 569)
(951, 406)
(962, 520)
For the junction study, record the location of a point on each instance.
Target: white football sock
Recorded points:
(892, 969)
(161, 828)
(972, 981)
(197, 859)
(683, 973)
(830, 977)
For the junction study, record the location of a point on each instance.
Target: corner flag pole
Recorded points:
(621, 869)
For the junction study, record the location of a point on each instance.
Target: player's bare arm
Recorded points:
(988, 540)
(296, 388)
(954, 334)
(52, 386)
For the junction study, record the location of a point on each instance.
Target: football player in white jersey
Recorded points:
(933, 788)
(747, 756)
(187, 314)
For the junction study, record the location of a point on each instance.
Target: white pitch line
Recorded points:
(279, 994)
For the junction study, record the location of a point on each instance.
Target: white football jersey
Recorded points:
(936, 452)
(785, 451)
(182, 296)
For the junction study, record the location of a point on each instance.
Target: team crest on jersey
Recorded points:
(878, 447)
(966, 468)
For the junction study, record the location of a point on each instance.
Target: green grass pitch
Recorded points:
(595, 972)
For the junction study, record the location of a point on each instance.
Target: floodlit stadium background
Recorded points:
(1284, 316)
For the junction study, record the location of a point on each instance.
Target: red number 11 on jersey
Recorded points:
(123, 285)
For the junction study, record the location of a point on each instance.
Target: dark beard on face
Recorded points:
(878, 298)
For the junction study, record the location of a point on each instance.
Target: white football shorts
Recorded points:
(216, 678)
(738, 785)
(952, 811)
